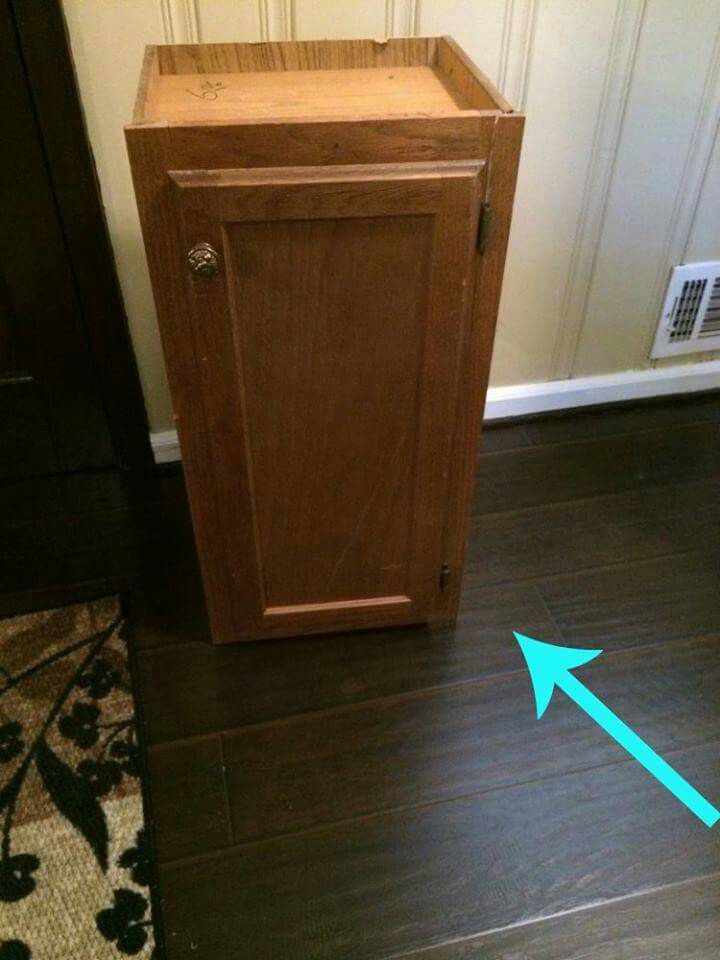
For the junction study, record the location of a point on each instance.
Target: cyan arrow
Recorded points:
(550, 667)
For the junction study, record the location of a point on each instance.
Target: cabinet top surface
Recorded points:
(306, 80)
(361, 92)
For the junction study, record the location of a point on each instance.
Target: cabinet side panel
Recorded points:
(477, 350)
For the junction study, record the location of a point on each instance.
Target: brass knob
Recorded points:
(203, 260)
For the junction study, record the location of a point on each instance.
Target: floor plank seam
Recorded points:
(576, 571)
(416, 693)
(637, 432)
(580, 571)
(559, 504)
(411, 808)
(546, 607)
(532, 581)
(172, 645)
(226, 793)
(601, 568)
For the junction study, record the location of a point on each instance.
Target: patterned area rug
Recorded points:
(75, 862)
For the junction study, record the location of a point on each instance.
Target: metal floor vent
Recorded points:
(690, 320)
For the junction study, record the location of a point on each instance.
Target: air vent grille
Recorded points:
(710, 326)
(685, 310)
(690, 321)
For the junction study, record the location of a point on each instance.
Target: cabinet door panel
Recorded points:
(328, 347)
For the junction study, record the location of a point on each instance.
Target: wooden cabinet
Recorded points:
(315, 218)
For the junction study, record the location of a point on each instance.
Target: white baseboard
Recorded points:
(525, 399)
(165, 446)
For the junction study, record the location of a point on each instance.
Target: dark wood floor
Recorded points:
(390, 794)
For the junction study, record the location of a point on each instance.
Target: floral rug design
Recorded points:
(75, 863)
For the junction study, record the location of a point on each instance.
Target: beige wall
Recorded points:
(620, 175)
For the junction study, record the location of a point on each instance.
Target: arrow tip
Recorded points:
(547, 664)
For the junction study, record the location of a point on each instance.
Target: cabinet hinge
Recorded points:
(444, 577)
(484, 226)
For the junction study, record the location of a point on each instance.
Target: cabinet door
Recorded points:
(327, 347)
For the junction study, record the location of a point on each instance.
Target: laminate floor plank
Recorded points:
(196, 688)
(624, 418)
(669, 599)
(678, 922)
(189, 800)
(597, 422)
(540, 475)
(167, 607)
(395, 883)
(139, 539)
(390, 793)
(461, 740)
(495, 437)
(565, 537)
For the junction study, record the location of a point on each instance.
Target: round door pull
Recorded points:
(203, 260)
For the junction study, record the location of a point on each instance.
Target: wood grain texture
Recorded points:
(409, 751)
(193, 771)
(681, 920)
(493, 830)
(361, 549)
(249, 683)
(625, 418)
(167, 607)
(606, 420)
(346, 533)
(503, 436)
(667, 599)
(147, 85)
(393, 140)
(585, 533)
(585, 468)
(468, 78)
(332, 181)
(296, 55)
(344, 306)
(149, 161)
(391, 884)
(475, 360)
(428, 76)
(302, 94)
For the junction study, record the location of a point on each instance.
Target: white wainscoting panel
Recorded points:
(223, 21)
(608, 128)
(476, 24)
(180, 21)
(557, 149)
(366, 19)
(666, 141)
(108, 41)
